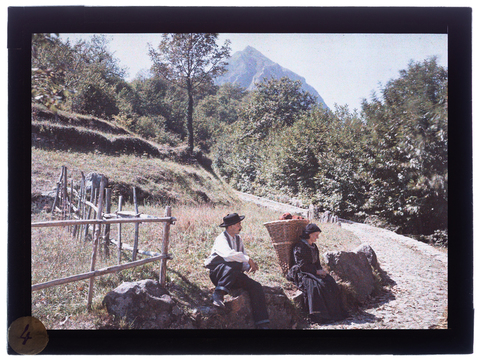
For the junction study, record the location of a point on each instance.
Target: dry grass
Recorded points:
(55, 254)
(156, 180)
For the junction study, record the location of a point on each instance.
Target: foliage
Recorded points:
(49, 67)
(80, 78)
(215, 113)
(96, 75)
(408, 149)
(243, 151)
(190, 61)
(275, 104)
(389, 161)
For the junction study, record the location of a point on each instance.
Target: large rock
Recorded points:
(144, 304)
(42, 202)
(354, 269)
(367, 250)
(93, 180)
(238, 312)
(147, 305)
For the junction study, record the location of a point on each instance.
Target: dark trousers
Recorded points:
(229, 275)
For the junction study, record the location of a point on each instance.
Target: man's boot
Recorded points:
(217, 299)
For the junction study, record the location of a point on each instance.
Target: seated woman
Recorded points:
(321, 293)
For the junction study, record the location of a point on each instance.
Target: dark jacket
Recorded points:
(321, 294)
(306, 260)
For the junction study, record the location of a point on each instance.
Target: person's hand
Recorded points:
(253, 266)
(322, 273)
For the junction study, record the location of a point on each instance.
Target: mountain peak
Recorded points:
(251, 50)
(248, 67)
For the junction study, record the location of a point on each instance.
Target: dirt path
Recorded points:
(273, 205)
(418, 300)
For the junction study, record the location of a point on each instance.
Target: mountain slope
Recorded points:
(87, 144)
(248, 67)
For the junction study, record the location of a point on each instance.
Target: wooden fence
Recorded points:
(77, 217)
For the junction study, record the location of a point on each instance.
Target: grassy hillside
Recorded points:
(88, 144)
(199, 200)
(156, 180)
(79, 133)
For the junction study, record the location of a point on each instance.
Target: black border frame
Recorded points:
(455, 21)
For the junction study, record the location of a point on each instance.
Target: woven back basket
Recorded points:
(285, 234)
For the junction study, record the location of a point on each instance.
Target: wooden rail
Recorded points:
(163, 257)
(79, 218)
(96, 273)
(103, 221)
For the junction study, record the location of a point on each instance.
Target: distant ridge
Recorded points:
(249, 66)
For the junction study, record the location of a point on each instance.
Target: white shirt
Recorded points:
(230, 249)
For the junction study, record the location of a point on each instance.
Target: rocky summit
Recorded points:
(249, 66)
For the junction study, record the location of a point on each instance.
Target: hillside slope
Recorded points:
(160, 174)
(79, 133)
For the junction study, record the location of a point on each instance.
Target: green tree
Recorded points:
(275, 104)
(190, 61)
(94, 74)
(408, 149)
(266, 148)
(82, 77)
(50, 62)
(215, 113)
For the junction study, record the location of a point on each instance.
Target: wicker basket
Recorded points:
(284, 234)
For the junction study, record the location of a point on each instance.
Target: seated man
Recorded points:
(228, 262)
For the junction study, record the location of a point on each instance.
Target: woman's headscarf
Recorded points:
(309, 229)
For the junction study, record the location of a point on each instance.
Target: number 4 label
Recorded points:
(26, 337)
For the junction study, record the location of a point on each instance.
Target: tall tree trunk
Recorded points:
(190, 118)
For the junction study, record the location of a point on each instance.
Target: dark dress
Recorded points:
(321, 295)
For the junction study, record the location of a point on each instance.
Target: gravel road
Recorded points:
(418, 299)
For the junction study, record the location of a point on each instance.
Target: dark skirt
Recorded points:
(321, 296)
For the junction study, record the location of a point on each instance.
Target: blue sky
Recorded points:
(343, 68)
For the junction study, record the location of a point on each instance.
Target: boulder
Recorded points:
(93, 180)
(367, 250)
(42, 202)
(369, 253)
(352, 268)
(147, 305)
(238, 312)
(144, 304)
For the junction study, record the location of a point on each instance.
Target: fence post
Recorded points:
(59, 183)
(81, 204)
(95, 242)
(106, 233)
(92, 200)
(120, 200)
(137, 225)
(64, 194)
(70, 205)
(166, 238)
